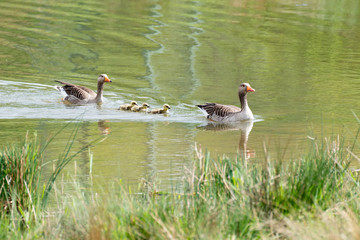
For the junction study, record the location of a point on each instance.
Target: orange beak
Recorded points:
(249, 89)
(107, 80)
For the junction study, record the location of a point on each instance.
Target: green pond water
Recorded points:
(302, 57)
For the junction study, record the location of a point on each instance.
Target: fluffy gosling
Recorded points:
(142, 108)
(128, 106)
(165, 108)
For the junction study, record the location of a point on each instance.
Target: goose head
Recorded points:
(244, 88)
(103, 78)
(133, 103)
(166, 107)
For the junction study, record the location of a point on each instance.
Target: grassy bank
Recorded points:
(316, 196)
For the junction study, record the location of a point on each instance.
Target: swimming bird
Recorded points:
(79, 95)
(161, 111)
(128, 106)
(142, 108)
(229, 113)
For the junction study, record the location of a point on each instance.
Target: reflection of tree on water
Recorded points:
(82, 170)
(84, 139)
(245, 128)
(169, 151)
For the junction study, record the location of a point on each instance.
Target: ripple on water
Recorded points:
(37, 101)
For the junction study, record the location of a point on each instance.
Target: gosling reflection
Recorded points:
(103, 128)
(245, 128)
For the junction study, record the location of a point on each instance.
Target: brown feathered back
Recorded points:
(219, 109)
(79, 92)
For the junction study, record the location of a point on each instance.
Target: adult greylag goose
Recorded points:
(79, 95)
(229, 113)
(128, 106)
(163, 110)
(142, 108)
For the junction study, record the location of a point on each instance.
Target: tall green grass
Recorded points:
(219, 198)
(224, 198)
(23, 196)
(20, 179)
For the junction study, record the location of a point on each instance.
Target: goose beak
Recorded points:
(250, 89)
(107, 79)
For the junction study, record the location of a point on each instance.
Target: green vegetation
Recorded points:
(20, 180)
(317, 195)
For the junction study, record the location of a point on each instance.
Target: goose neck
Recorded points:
(99, 92)
(243, 100)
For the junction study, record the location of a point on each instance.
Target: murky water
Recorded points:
(302, 57)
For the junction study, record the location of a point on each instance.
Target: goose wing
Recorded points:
(219, 109)
(79, 92)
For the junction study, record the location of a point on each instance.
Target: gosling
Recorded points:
(165, 109)
(142, 108)
(128, 106)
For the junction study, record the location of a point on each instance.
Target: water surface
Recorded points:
(302, 57)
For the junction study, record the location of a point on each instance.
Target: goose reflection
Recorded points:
(244, 127)
(103, 128)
